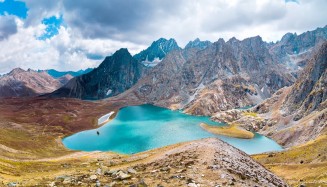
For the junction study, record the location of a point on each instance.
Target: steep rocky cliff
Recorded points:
(115, 74)
(310, 91)
(293, 115)
(21, 83)
(224, 75)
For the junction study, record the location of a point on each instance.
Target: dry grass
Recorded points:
(305, 164)
(252, 114)
(231, 131)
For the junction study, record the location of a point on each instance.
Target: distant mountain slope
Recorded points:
(115, 74)
(157, 51)
(21, 83)
(56, 74)
(294, 50)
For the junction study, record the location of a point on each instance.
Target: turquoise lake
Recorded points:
(140, 128)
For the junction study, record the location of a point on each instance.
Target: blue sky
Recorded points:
(13, 7)
(19, 9)
(66, 35)
(53, 24)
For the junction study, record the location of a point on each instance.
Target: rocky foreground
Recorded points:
(207, 162)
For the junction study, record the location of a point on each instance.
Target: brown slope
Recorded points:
(21, 83)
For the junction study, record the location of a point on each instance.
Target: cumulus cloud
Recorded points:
(97, 28)
(7, 26)
(141, 21)
(65, 51)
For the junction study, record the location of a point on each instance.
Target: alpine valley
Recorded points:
(237, 94)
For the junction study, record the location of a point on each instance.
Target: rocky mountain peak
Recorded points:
(253, 41)
(114, 75)
(21, 83)
(197, 43)
(121, 53)
(157, 51)
(16, 71)
(288, 37)
(233, 40)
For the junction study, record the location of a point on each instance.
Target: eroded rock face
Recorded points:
(310, 90)
(115, 74)
(222, 76)
(293, 115)
(21, 83)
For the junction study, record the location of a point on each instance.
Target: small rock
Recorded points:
(165, 169)
(93, 177)
(112, 184)
(67, 181)
(62, 178)
(181, 170)
(189, 180)
(98, 184)
(131, 170)
(99, 171)
(192, 185)
(12, 184)
(122, 176)
(222, 176)
(52, 184)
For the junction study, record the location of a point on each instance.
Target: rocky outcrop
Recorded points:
(294, 50)
(197, 43)
(206, 162)
(310, 90)
(21, 83)
(115, 74)
(293, 115)
(157, 51)
(222, 76)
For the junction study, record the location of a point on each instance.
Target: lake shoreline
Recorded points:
(229, 130)
(132, 128)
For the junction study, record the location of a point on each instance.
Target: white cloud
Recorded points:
(102, 27)
(7, 26)
(65, 51)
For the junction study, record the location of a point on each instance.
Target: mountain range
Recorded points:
(277, 89)
(56, 74)
(21, 83)
(200, 76)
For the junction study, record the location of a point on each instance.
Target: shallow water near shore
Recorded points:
(140, 128)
